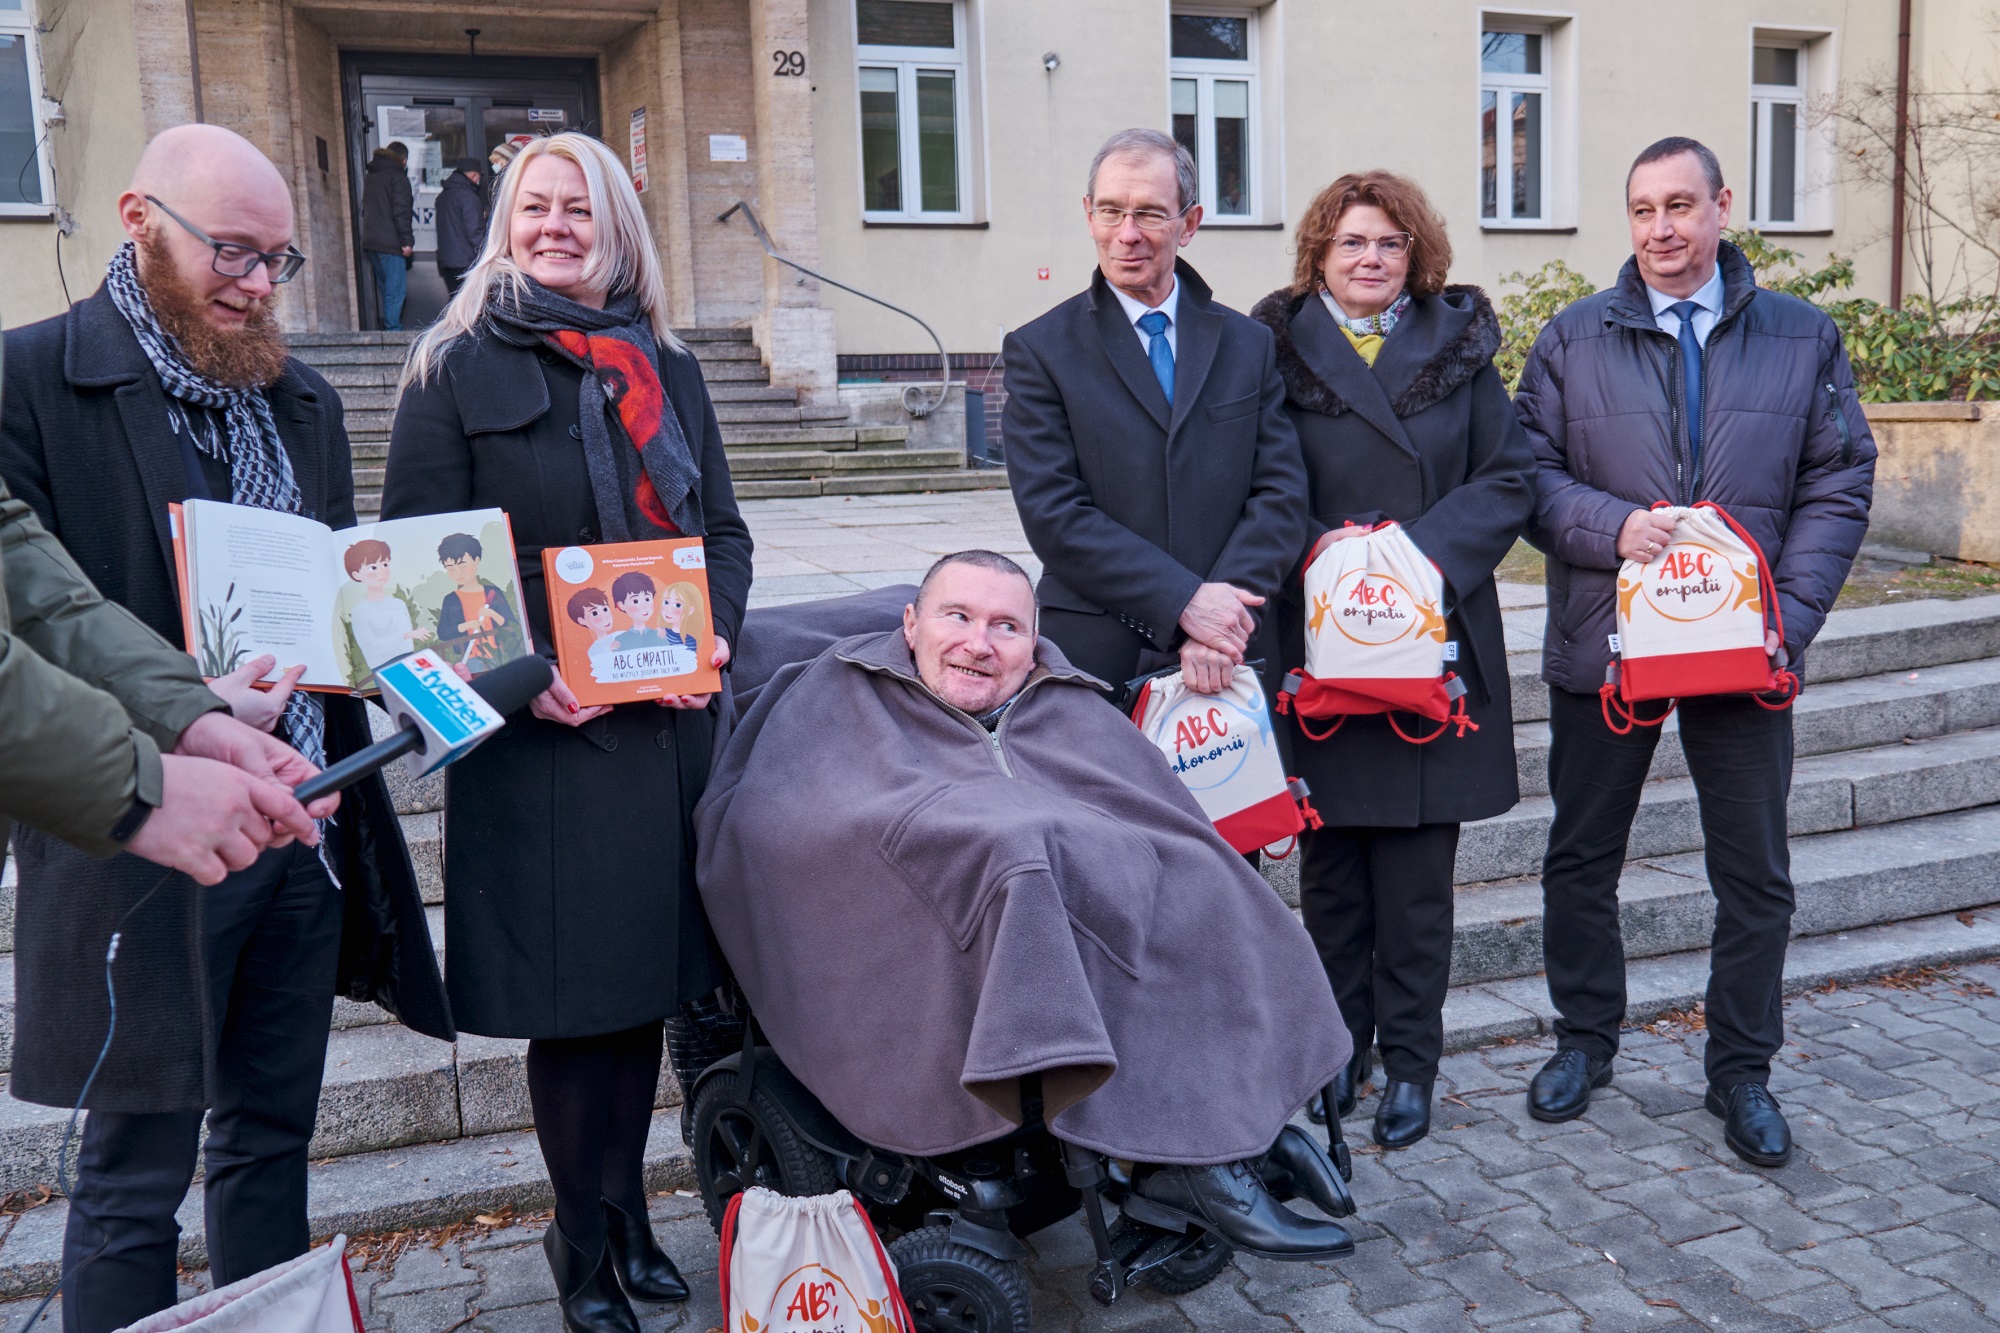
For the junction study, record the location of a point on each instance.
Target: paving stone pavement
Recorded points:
(828, 546)
(1634, 1217)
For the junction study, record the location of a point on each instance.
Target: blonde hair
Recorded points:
(622, 255)
(694, 618)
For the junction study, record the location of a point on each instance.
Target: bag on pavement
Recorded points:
(1376, 640)
(795, 1265)
(1691, 621)
(313, 1293)
(1224, 748)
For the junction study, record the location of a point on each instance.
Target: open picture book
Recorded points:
(631, 620)
(256, 581)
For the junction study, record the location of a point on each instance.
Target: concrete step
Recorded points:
(1839, 715)
(822, 436)
(752, 393)
(1843, 789)
(719, 352)
(714, 334)
(882, 483)
(798, 463)
(370, 479)
(371, 420)
(427, 1185)
(385, 1087)
(730, 414)
(373, 453)
(354, 378)
(1845, 880)
(734, 372)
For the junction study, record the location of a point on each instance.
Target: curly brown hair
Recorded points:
(1407, 206)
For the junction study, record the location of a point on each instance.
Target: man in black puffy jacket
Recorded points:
(1682, 382)
(461, 223)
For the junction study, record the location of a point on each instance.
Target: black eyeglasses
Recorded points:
(239, 261)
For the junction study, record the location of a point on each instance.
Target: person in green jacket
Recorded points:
(109, 739)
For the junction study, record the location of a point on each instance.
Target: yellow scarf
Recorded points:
(1368, 344)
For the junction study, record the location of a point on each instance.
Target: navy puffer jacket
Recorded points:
(1785, 449)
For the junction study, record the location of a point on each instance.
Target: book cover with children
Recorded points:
(631, 620)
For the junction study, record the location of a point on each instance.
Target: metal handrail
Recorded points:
(920, 406)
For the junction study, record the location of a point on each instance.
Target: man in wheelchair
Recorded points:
(941, 865)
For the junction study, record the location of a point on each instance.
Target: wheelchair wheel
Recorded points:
(736, 1147)
(1190, 1270)
(953, 1288)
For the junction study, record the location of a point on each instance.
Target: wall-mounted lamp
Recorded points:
(1050, 61)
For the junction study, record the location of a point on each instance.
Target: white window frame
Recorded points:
(1811, 200)
(1205, 73)
(1503, 87)
(907, 61)
(23, 25)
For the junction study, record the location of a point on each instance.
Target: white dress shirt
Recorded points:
(1134, 311)
(1709, 298)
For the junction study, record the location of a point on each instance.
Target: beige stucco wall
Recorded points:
(1410, 106)
(1937, 478)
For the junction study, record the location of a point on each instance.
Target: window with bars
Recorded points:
(1212, 85)
(1515, 89)
(911, 73)
(1777, 132)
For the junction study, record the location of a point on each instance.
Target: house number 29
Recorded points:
(788, 64)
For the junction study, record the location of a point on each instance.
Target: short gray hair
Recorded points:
(988, 560)
(1673, 146)
(1143, 143)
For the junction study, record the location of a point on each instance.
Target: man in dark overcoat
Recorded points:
(172, 382)
(1156, 474)
(1682, 382)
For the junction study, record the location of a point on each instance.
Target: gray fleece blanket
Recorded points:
(922, 913)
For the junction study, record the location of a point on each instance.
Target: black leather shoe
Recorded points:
(1298, 1167)
(1347, 1086)
(1231, 1201)
(642, 1267)
(1403, 1115)
(1561, 1091)
(1752, 1124)
(586, 1289)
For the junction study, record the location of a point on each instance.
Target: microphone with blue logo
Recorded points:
(439, 717)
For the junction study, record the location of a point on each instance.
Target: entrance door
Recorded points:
(446, 109)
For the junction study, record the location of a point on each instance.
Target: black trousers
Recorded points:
(1740, 757)
(273, 937)
(454, 278)
(1378, 904)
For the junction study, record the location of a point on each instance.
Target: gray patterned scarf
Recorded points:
(1378, 324)
(260, 472)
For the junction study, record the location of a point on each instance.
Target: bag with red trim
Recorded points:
(1224, 748)
(1691, 621)
(1376, 640)
(796, 1265)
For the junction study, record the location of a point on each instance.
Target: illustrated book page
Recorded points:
(632, 620)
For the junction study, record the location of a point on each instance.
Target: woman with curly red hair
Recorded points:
(1389, 380)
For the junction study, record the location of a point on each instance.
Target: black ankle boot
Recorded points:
(1404, 1114)
(642, 1267)
(586, 1289)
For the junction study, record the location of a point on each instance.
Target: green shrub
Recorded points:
(1542, 296)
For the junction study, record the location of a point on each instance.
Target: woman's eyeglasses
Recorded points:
(1393, 246)
(239, 261)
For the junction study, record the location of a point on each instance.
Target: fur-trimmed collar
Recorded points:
(1451, 365)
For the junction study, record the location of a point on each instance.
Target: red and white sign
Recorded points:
(639, 149)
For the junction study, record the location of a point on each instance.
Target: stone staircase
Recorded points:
(1896, 853)
(778, 447)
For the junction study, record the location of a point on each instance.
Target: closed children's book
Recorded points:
(631, 620)
(258, 581)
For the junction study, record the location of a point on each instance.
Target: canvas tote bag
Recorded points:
(1691, 621)
(804, 1265)
(1225, 750)
(1375, 638)
(313, 1293)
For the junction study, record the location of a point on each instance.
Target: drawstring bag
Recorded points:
(1691, 621)
(1224, 748)
(1376, 640)
(313, 1293)
(798, 1265)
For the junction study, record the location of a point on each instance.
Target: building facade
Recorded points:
(932, 153)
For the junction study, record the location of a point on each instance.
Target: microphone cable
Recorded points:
(83, 1095)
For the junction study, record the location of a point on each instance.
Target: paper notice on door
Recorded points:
(728, 148)
(639, 149)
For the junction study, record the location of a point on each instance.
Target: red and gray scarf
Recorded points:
(643, 476)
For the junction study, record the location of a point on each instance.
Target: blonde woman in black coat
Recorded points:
(1389, 380)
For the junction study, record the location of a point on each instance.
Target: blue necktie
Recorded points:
(1158, 350)
(1691, 370)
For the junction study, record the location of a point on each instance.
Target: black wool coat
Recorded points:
(1427, 437)
(1131, 504)
(570, 904)
(84, 439)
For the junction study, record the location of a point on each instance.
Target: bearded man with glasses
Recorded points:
(1156, 473)
(172, 382)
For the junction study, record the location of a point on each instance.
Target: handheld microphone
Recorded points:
(439, 717)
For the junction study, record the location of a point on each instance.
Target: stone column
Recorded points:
(168, 92)
(795, 334)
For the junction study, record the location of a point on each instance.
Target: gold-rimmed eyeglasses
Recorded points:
(1395, 245)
